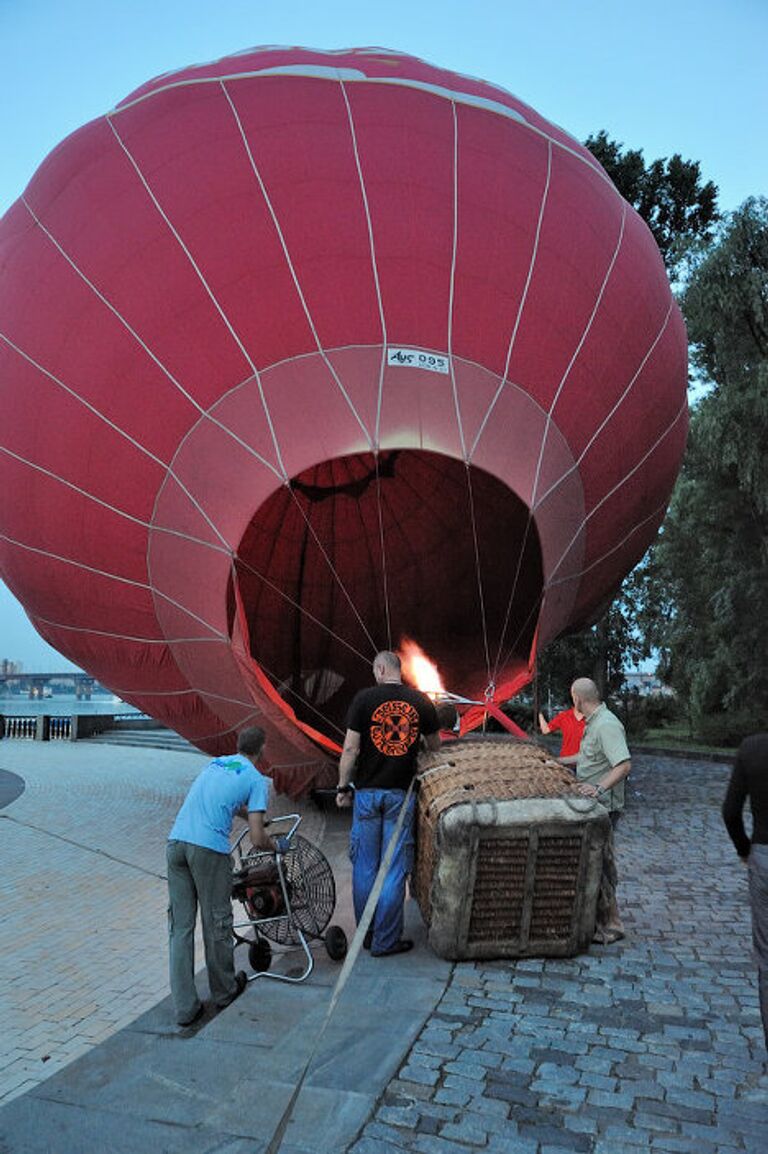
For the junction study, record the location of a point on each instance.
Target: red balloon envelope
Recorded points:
(301, 352)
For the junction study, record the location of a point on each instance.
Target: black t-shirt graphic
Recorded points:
(390, 719)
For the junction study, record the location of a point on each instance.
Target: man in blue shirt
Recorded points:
(200, 873)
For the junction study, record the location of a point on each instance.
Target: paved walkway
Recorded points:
(82, 930)
(653, 1044)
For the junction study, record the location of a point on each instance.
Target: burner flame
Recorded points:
(419, 669)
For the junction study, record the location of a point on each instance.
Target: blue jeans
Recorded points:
(374, 819)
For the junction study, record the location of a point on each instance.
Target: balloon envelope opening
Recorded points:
(361, 551)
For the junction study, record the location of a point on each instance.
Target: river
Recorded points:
(62, 705)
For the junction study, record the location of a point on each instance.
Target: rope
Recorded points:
(346, 969)
(478, 573)
(330, 564)
(383, 553)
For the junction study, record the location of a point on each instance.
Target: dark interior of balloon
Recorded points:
(360, 552)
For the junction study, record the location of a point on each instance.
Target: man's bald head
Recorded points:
(585, 693)
(386, 666)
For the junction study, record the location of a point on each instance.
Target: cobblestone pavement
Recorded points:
(83, 920)
(651, 1044)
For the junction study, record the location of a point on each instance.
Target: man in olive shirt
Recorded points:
(602, 767)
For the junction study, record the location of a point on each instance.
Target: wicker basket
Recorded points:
(509, 854)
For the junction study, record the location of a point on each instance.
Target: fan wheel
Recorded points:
(260, 955)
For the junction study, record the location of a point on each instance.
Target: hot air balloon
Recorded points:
(302, 352)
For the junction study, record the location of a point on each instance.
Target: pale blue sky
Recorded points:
(666, 76)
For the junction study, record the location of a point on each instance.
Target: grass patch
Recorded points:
(676, 736)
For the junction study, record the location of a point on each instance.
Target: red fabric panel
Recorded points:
(501, 180)
(405, 142)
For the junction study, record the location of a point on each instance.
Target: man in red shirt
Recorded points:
(571, 723)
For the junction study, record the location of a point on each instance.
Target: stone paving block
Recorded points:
(402, 1116)
(434, 1144)
(426, 1047)
(657, 1122)
(596, 1081)
(721, 1138)
(369, 1144)
(467, 1086)
(608, 1146)
(400, 1092)
(552, 1072)
(580, 1123)
(594, 1063)
(515, 1144)
(681, 1145)
(563, 1097)
(613, 1100)
(438, 1110)
(452, 1096)
(467, 1068)
(548, 1135)
(467, 1130)
(641, 1088)
(421, 1075)
(695, 1098)
(517, 1065)
(558, 1148)
(488, 1107)
(518, 1095)
(428, 1125)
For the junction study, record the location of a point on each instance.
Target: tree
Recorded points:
(667, 193)
(602, 651)
(681, 212)
(710, 564)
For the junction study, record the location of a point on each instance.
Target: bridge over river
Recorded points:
(34, 685)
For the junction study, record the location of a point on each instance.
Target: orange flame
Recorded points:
(419, 669)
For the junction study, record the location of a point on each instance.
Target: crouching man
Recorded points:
(200, 873)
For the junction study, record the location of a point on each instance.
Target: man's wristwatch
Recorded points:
(345, 788)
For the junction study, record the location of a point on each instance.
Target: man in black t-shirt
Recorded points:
(384, 728)
(749, 779)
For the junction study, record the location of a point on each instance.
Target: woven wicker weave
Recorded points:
(504, 822)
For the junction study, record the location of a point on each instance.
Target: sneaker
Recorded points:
(241, 981)
(401, 947)
(195, 1017)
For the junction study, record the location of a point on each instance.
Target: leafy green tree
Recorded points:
(668, 193)
(709, 568)
(681, 212)
(602, 652)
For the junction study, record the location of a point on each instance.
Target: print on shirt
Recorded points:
(394, 727)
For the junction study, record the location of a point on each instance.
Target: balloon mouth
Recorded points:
(361, 551)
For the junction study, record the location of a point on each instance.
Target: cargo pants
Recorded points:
(199, 876)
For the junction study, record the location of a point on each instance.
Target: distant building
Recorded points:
(647, 685)
(8, 667)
